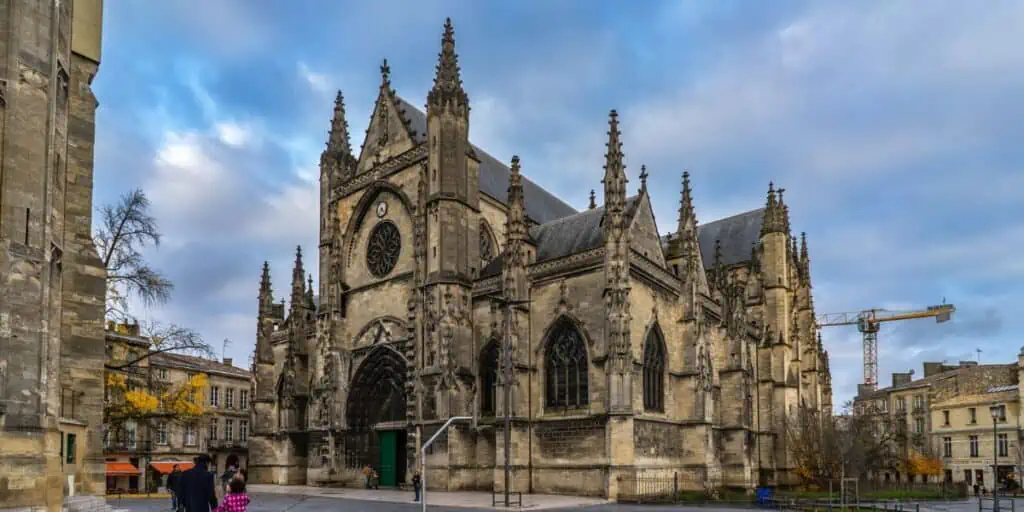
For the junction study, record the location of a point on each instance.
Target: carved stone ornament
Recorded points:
(564, 305)
(704, 370)
(381, 330)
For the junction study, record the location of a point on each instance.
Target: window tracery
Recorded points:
(383, 249)
(566, 368)
(654, 372)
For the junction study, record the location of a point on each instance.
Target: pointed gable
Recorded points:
(389, 132)
(644, 230)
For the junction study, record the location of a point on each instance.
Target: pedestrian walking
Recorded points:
(416, 483)
(368, 473)
(173, 481)
(198, 487)
(229, 473)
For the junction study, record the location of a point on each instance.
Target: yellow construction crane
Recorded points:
(868, 322)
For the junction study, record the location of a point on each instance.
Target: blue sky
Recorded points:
(896, 131)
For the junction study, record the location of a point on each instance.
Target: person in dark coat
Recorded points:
(198, 487)
(172, 486)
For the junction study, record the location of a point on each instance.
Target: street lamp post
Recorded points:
(995, 409)
(506, 363)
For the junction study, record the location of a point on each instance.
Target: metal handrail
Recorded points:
(423, 453)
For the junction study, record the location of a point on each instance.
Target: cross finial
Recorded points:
(593, 199)
(385, 74)
(643, 178)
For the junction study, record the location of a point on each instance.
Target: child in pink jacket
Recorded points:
(236, 500)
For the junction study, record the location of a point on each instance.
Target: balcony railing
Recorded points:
(137, 446)
(226, 444)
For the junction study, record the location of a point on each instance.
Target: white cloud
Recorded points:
(289, 213)
(233, 134)
(318, 82)
(186, 175)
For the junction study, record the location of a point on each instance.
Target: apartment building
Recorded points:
(139, 456)
(966, 415)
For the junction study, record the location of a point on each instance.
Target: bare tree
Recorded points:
(127, 228)
(166, 338)
(828, 447)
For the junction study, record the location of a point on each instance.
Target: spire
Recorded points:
(794, 251)
(614, 168)
(447, 79)
(266, 292)
(298, 280)
(515, 229)
(643, 179)
(593, 200)
(309, 292)
(514, 268)
(719, 266)
(686, 213)
(772, 222)
(264, 353)
(784, 213)
(805, 259)
(337, 141)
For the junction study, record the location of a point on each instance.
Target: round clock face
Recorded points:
(382, 209)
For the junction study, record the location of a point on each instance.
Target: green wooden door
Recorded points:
(388, 458)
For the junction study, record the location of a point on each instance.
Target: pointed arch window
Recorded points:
(566, 368)
(489, 379)
(487, 244)
(654, 371)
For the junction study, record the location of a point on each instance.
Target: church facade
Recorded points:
(452, 285)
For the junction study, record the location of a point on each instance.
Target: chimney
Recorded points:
(227, 361)
(899, 379)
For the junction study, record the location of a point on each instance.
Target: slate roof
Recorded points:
(541, 205)
(565, 236)
(738, 234)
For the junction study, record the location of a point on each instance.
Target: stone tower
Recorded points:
(51, 282)
(779, 282)
(452, 211)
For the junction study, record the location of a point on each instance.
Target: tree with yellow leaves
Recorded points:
(924, 464)
(160, 402)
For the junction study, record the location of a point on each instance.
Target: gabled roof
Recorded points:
(738, 235)
(565, 236)
(541, 205)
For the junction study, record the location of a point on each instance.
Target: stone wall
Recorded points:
(51, 341)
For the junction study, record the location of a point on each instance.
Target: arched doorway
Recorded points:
(376, 416)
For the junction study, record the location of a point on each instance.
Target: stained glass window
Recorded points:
(489, 379)
(566, 368)
(654, 372)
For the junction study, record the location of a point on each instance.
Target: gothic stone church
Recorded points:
(631, 353)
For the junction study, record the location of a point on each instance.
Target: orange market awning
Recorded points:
(165, 468)
(122, 469)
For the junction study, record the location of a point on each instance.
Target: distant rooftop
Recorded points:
(181, 361)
